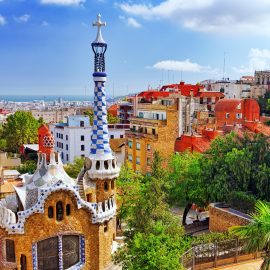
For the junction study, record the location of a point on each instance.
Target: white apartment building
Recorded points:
(231, 88)
(73, 138)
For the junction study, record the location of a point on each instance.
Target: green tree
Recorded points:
(129, 188)
(19, 129)
(186, 186)
(73, 169)
(28, 167)
(111, 119)
(155, 239)
(159, 249)
(257, 232)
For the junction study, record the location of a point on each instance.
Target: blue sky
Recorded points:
(45, 44)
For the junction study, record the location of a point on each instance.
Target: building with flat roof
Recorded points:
(73, 138)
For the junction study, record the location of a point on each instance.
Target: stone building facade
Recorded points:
(56, 222)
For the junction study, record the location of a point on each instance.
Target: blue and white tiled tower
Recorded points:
(103, 163)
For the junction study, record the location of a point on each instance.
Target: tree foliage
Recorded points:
(110, 118)
(231, 166)
(155, 239)
(20, 128)
(257, 232)
(73, 169)
(28, 166)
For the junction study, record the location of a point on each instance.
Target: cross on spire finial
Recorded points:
(99, 24)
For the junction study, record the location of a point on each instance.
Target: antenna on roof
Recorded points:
(224, 64)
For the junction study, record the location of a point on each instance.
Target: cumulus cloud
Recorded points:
(133, 23)
(214, 16)
(2, 20)
(130, 21)
(22, 19)
(63, 2)
(258, 59)
(185, 65)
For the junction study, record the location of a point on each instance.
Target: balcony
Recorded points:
(147, 122)
(137, 134)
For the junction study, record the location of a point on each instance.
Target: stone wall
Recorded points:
(221, 219)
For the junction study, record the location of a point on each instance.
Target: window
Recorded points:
(121, 136)
(66, 146)
(130, 144)
(68, 209)
(67, 157)
(67, 137)
(138, 146)
(82, 147)
(48, 257)
(59, 211)
(105, 226)
(89, 197)
(112, 184)
(148, 147)
(106, 186)
(50, 212)
(239, 116)
(148, 161)
(23, 262)
(112, 136)
(81, 123)
(138, 160)
(82, 138)
(153, 131)
(10, 251)
(227, 115)
(130, 157)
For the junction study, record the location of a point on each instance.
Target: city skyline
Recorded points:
(44, 43)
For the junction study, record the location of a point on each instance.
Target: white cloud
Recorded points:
(185, 65)
(130, 21)
(214, 16)
(259, 59)
(2, 20)
(45, 23)
(63, 2)
(133, 23)
(22, 19)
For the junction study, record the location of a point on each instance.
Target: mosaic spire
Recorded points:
(100, 147)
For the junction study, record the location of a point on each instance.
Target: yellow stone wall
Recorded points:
(39, 227)
(164, 142)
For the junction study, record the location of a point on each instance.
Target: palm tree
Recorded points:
(257, 232)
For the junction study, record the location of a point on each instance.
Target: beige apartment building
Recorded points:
(54, 116)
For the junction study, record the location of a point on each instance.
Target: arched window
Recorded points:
(103, 207)
(50, 212)
(106, 164)
(112, 184)
(106, 186)
(59, 211)
(68, 209)
(98, 165)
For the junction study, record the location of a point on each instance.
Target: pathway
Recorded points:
(251, 265)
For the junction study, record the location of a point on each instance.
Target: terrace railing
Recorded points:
(216, 254)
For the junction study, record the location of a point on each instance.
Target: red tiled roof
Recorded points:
(155, 94)
(227, 104)
(209, 94)
(201, 144)
(185, 89)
